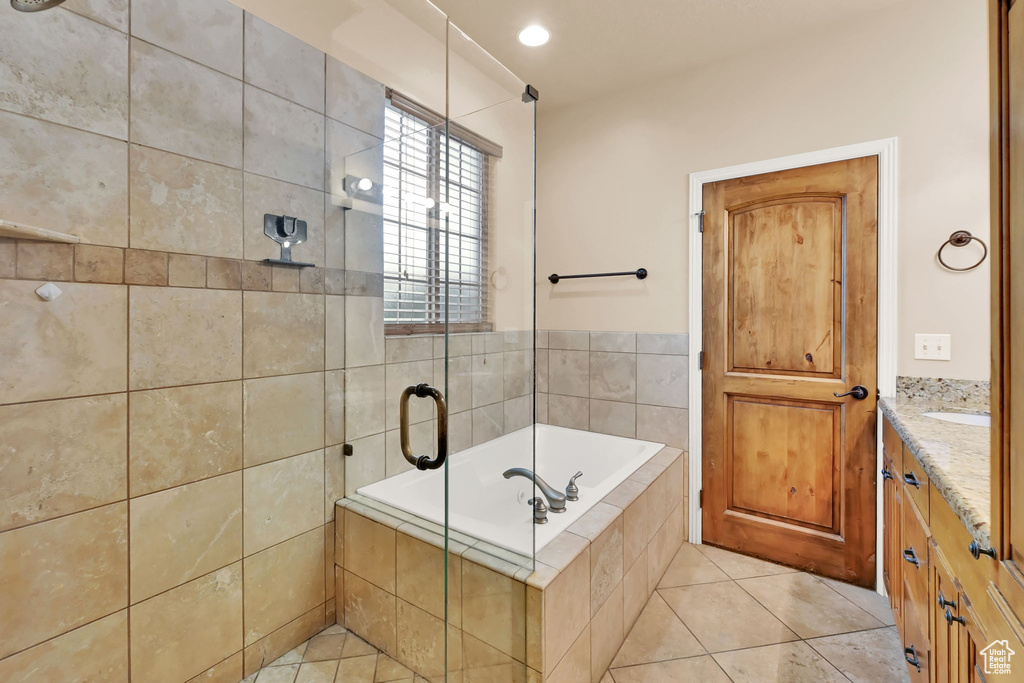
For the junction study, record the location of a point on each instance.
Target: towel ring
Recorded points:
(961, 238)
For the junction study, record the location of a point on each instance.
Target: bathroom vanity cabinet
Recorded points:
(939, 580)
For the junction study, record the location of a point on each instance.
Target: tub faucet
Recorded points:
(556, 499)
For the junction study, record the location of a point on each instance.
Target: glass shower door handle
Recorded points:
(424, 462)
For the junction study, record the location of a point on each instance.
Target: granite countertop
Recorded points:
(955, 456)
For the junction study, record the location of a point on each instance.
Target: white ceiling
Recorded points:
(598, 46)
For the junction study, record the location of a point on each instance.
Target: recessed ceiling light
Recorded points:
(534, 36)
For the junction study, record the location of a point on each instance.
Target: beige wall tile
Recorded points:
(354, 98)
(227, 671)
(494, 609)
(569, 411)
(351, 152)
(364, 241)
(613, 417)
(180, 106)
(184, 434)
(184, 205)
(184, 270)
(663, 548)
(566, 608)
(8, 257)
(46, 261)
(286, 279)
(335, 332)
(94, 652)
(312, 280)
(662, 380)
(266, 195)
(575, 665)
(257, 276)
(367, 464)
(292, 634)
(334, 406)
(283, 140)
(184, 336)
(61, 574)
(145, 267)
(666, 344)
(334, 480)
(605, 565)
(172, 26)
(83, 85)
(635, 529)
(488, 423)
(421, 641)
(184, 532)
(606, 634)
(282, 583)
(370, 612)
(283, 499)
(45, 344)
(569, 373)
(420, 578)
(617, 342)
(364, 401)
(569, 340)
(370, 550)
(397, 377)
(283, 64)
(113, 13)
(99, 264)
(634, 591)
(59, 457)
(223, 273)
(488, 379)
(282, 333)
(64, 179)
(329, 582)
(283, 416)
(183, 632)
(613, 376)
(669, 426)
(364, 331)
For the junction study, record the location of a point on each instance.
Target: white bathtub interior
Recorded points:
(491, 508)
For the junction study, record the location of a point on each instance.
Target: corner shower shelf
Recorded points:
(29, 232)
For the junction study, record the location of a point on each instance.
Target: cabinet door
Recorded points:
(892, 571)
(946, 621)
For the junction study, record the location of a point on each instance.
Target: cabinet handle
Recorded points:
(910, 654)
(950, 618)
(911, 479)
(910, 556)
(886, 474)
(943, 602)
(977, 551)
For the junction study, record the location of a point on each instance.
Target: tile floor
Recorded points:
(716, 616)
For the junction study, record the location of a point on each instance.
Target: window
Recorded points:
(435, 203)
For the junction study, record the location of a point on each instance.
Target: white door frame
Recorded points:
(887, 152)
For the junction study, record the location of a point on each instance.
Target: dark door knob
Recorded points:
(858, 392)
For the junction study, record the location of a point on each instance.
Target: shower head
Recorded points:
(34, 5)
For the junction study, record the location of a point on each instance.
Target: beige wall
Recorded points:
(614, 172)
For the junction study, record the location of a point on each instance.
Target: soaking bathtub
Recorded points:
(486, 506)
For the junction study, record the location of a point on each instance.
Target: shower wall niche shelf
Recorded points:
(29, 232)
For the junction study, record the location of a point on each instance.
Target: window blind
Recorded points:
(435, 225)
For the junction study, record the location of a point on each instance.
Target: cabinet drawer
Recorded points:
(916, 648)
(915, 481)
(892, 445)
(952, 537)
(915, 553)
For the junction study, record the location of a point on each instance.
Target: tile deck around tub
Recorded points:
(687, 631)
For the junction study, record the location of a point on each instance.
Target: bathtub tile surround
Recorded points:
(574, 603)
(171, 425)
(622, 383)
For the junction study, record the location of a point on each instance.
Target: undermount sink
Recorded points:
(975, 420)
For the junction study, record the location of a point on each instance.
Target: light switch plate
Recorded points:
(932, 346)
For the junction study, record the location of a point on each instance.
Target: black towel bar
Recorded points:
(640, 274)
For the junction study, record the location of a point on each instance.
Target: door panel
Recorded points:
(790, 319)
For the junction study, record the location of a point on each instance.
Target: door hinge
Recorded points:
(700, 221)
(700, 499)
(700, 360)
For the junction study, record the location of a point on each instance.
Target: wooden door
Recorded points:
(790, 319)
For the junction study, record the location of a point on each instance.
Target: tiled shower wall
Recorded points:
(171, 425)
(622, 383)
